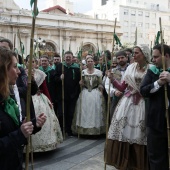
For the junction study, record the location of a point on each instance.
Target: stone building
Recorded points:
(57, 27)
(143, 14)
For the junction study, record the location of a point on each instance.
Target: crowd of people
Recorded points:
(71, 97)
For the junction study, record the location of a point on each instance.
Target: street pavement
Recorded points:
(85, 153)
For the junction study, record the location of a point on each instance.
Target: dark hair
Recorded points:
(121, 53)
(128, 49)
(96, 58)
(68, 52)
(56, 55)
(7, 41)
(45, 56)
(28, 57)
(166, 48)
(108, 54)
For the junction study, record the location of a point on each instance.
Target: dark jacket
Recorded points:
(71, 82)
(12, 142)
(155, 113)
(22, 88)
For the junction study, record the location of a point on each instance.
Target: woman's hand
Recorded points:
(26, 128)
(81, 82)
(117, 93)
(41, 119)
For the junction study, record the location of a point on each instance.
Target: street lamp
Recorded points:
(39, 44)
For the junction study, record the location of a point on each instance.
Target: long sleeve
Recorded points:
(148, 84)
(112, 89)
(120, 86)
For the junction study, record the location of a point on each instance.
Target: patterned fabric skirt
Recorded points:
(50, 134)
(90, 115)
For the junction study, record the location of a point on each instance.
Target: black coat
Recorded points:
(12, 142)
(71, 82)
(155, 112)
(22, 89)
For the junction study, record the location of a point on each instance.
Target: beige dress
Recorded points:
(50, 134)
(90, 115)
(127, 141)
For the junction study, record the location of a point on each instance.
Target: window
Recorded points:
(133, 13)
(140, 13)
(147, 14)
(126, 23)
(126, 34)
(133, 24)
(140, 24)
(153, 15)
(147, 25)
(153, 25)
(126, 11)
(140, 35)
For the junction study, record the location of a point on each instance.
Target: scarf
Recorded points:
(11, 108)
(73, 66)
(158, 71)
(46, 71)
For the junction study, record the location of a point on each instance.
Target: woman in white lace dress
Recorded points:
(89, 117)
(126, 143)
(50, 134)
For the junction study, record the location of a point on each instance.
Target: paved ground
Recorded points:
(73, 154)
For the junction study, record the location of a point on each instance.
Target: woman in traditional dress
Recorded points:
(89, 117)
(126, 143)
(50, 135)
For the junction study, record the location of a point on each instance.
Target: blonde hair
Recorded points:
(5, 63)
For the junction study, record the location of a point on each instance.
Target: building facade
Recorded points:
(132, 14)
(59, 29)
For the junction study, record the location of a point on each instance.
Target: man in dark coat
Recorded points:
(152, 88)
(71, 77)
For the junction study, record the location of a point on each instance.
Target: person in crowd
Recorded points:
(51, 85)
(50, 134)
(4, 42)
(96, 62)
(128, 52)
(114, 63)
(107, 58)
(19, 90)
(56, 60)
(71, 78)
(152, 88)
(90, 120)
(115, 94)
(126, 140)
(75, 60)
(13, 133)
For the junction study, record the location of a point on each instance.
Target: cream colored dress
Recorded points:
(89, 117)
(128, 121)
(50, 134)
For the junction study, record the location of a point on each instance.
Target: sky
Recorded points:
(79, 5)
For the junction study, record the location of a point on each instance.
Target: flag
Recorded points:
(117, 40)
(157, 38)
(37, 11)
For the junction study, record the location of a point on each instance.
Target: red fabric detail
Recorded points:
(44, 90)
(120, 86)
